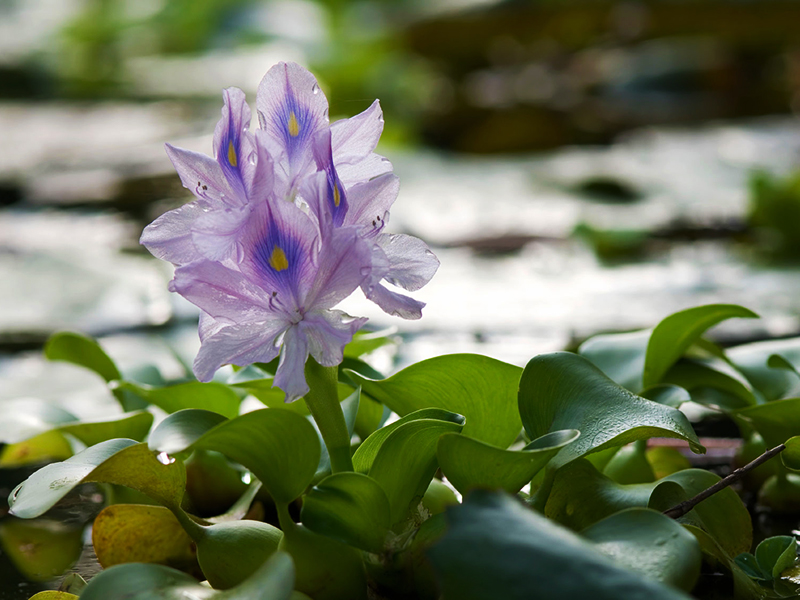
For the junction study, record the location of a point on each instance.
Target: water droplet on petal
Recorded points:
(315, 89)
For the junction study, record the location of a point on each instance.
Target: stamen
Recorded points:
(294, 126)
(232, 154)
(278, 260)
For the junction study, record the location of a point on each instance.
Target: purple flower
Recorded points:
(287, 222)
(335, 170)
(279, 298)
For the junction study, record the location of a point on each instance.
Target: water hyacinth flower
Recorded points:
(288, 221)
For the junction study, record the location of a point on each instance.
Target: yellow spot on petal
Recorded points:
(337, 197)
(232, 154)
(278, 260)
(294, 126)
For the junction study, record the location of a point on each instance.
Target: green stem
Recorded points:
(284, 518)
(193, 529)
(323, 402)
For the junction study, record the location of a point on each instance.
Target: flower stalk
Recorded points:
(322, 400)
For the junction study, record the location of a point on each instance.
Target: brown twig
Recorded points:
(684, 507)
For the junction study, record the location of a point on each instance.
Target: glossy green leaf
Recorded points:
(349, 507)
(565, 391)
(775, 421)
(723, 516)
(482, 389)
(673, 336)
(406, 462)
(620, 356)
(497, 548)
(180, 430)
(776, 554)
(127, 533)
(791, 456)
(667, 394)
(649, 543)
(630, 465)
(468, 463)
(40, 550)
(133, 425)
(752, 360)
(123, 462)
(574, 483)
(368, 450)
(273, 581)
(213, 396)
(83, 351)
(53, 595)
(709, 386)
(280, 447)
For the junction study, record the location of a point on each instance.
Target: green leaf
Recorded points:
(53, 595)
(133, 425)
(752, 360)
(710, 387)
(619, 355)
(775, 421)
(123, 462)
(349, 507)
(630, 465)
(82, 351)
(480, 388)
(496, 548)
(280, 447)
(673, 336)
(368, 450)
(45, 447)
(579, 480)
(180, 430)
(776, 554)
(791, 456)
(565, 391)
(127, 533)
(649, 543)
(748, 563)
(469, 463)
(723, 516)
(273, 581)
(406, 462)
(213, 396)
(365, 342)
(667, 394)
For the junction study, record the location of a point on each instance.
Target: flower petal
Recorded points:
(239, 344)
(290, 374)
(370, 203)
(292, 109)
(327, 333)
(411, 262)
(169, 237)
(218, 234)
(393, 303)
(345, 261)
(280, 252)
(200, 174)
(372, 166)
(222, 292)
(355, 138)
(229, 137)
(334, 197)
